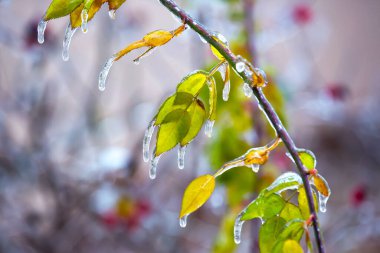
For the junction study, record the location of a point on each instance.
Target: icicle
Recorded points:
(255, 167)
(104, 73)
(147, 138)
(226, 90)
(112, 14)
(208, 128)
(153, 167)
(240, 66)
(202, 39)
(181, 157)
(322, 202)
(238, 227)
(222, 70)
(183, 221)
(247, 90)
(41, 31)
(66, 42)
(84, 17)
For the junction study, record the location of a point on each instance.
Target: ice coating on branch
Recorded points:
(247, 90)
(147, 138)
(208, 128)
(202, 39)
(240, 66)
(238, 227)
(112, 14)
(287, 177)
(183, 221)
(69, 33)
(104, 73)
(181, 157)
(263, 75)
(84, 18)
(41, 31)
(322, 202)
(255, 167)
(153, 167)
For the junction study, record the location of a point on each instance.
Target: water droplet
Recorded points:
(183, 221)
(104, 73)
(112, 14)
(255, 167)
(238, 228)
(147, 138)
(208, 128)
(84, 18)
(136, 61)
(247, 90)
(153, 166)
(181, 157)
(41, 31)
(322, 202)
(240, 66)
(222, 38)
(66, 41)
(202, 39)
(226, 90)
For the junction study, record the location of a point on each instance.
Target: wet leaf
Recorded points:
(197, 193)
(307, 158)
(216, 52)
(213, 98)
(287, 181)
(264, 207)
(303, 204)
(269, 233)
(176, 101)
(61, 8)
(75, 16)
(173, 129)
(157, 38)
(193, 83)
(291, 212)
(293, 230)
(197, 118)
(321, 185)
(115, 4)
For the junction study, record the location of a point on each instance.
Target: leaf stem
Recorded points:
(262, 100)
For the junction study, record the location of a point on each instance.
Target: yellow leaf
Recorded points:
(321, 185)
(292, 246)
(197, 193)
(75, 16)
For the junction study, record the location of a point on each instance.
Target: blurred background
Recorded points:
(72, 177)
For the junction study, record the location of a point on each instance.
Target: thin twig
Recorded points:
(262, 100)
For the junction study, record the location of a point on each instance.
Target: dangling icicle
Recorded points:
(153, 167)
(104, 73)
(84, 17)
(183, 221)
(247, 90)
(222, 70)
(181, 157)
(41, 31)
(147, 138)
(208, 128)
(255, 167)
(322, 202)
(145, 54)
(238, 227)
(66, 42)
(112, 14)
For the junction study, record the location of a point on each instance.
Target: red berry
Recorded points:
(302, 14)
(337, 91)
(358, 195)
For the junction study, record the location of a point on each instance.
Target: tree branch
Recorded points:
(264, 103)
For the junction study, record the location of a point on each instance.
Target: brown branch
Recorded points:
(264, 103)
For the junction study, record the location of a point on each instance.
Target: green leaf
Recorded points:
(197, 193)
(269, 233)
(176, 101)
(293, 230)
(303, 204)
(307, 158)
(115, 4)
(193, 82)
(213, 98)
(88, 3)
(288, 246)
(291, 212)
(197, 118)
(61, 8)
(264, 207)
(173, 129)
(287, 181)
